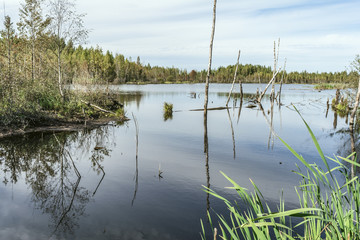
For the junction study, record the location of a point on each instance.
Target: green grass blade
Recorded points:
(350, 161)
(291, 213)
(317, 145)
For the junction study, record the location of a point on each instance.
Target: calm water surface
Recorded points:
(91, 185)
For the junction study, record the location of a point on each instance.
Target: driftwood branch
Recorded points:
(97, 107)
(232, 86)
(263, 93)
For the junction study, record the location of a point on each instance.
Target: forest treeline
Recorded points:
(33, 51)
(95, 66)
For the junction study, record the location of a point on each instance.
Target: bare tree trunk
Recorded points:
(353, 113)
(276, 59)
(33, 61)
(351, 123)
(59, 72)
(9, 69)
(210, 59)
(232, 87)
(281, 82)
(273, 85)
(337, 97)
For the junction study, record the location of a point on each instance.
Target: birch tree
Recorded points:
(66, 26)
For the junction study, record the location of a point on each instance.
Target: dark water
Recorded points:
(91, 185)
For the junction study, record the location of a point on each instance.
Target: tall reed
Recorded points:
(329, 203)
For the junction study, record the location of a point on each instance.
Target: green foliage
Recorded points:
(328, 86)
(168, 111)
(329, 209)
(343, 107)
(92, 64)
(120, 112)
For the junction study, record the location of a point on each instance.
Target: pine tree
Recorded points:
(32, 27)
(108, 68)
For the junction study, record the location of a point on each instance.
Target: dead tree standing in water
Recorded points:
(232, 87)
(210, 60)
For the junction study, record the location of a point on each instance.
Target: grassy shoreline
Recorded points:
(49, 110)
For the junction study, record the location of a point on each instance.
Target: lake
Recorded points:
(97, 184)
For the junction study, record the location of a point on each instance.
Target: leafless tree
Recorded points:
(66, 26)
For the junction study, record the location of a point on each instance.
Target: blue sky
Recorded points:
(316, 35)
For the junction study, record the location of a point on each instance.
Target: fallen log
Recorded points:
(97, 107)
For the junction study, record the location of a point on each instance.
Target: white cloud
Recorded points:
(315, 35)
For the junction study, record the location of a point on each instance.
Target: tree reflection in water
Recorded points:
(45, 160)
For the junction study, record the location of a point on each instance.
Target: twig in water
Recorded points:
(160, 172)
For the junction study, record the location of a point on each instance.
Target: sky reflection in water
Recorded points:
(85, 185)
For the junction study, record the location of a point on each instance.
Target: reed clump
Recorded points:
(330, 86)
(341, 107)
(168, 111)
(329, 201)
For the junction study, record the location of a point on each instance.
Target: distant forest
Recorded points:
(93, 65)
(33, 50)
